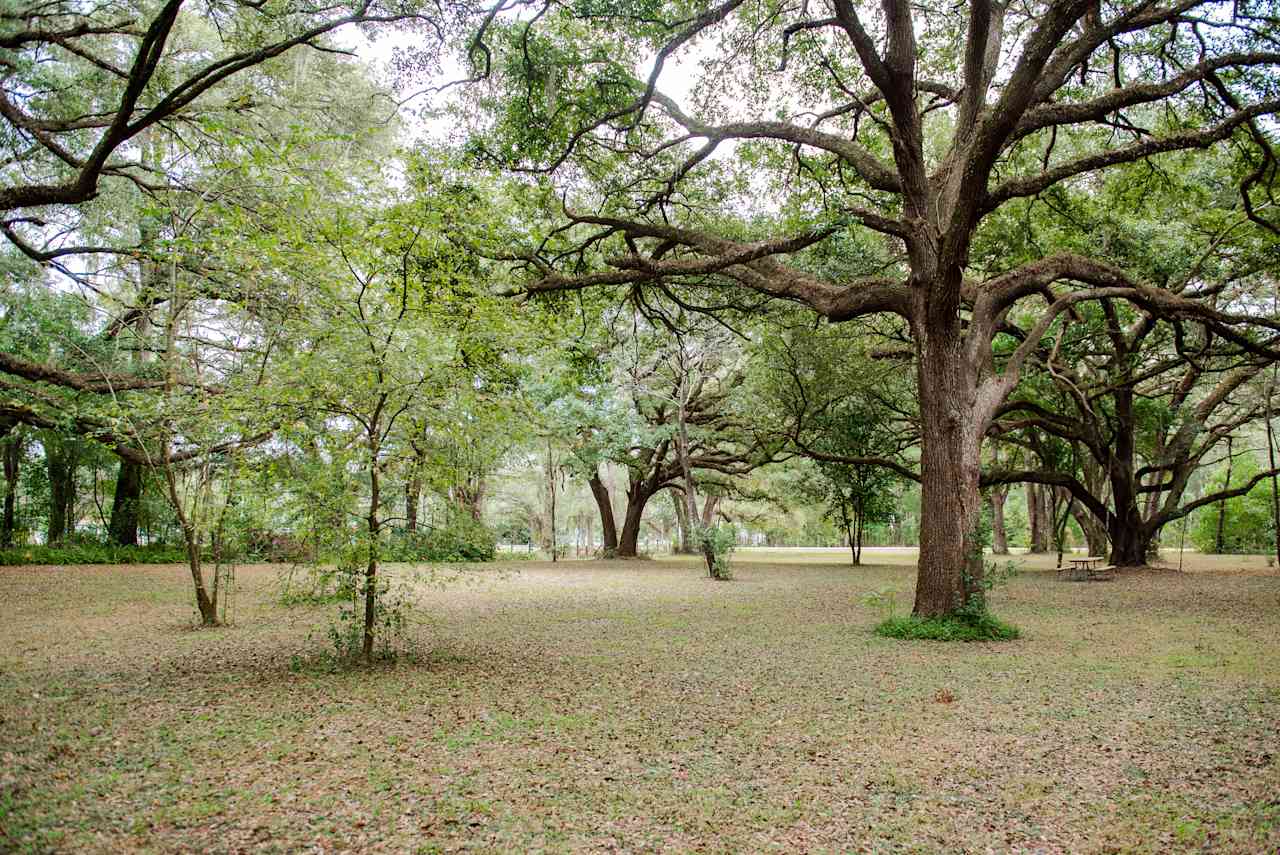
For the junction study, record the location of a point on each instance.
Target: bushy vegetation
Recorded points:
(92, 553)
(1240, 524)
(717, 543)
(962, 626)
(460, 539)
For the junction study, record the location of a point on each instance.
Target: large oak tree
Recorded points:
(895, 130)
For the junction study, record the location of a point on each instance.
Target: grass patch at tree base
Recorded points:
(953, 627)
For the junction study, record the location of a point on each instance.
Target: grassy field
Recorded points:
(592, 706)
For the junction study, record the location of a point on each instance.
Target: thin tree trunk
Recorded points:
(206, 604)
(1037, 541)
(1060, 522)
(999, 537)
(374, 526)
(412, 498)
(1271, 458)
(850, 537)
(551, 491)
(1219, 541)
(860, 529)
(683, 525)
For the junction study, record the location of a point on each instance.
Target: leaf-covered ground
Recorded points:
(638, 706)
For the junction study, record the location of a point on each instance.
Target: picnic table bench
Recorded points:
(1088, 568)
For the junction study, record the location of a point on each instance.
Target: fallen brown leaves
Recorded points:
(623, 707)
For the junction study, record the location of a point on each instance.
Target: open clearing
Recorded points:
(611, 706)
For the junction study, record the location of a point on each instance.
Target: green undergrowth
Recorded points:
(92, 553)
(954, 627)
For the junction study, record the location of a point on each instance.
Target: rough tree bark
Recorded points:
(688, 497)
(412, 498)
(1095, 533)
(1219, 539)
(683, 525)
(61, 461)
(949, 571)
(1271, 458)
(710, 505)
(999, 536)
(638, 495)
(1037, 534)
(608, 527)
(125, 506)
(12, 461)
(374, 524)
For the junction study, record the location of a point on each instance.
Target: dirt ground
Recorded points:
(638, 706)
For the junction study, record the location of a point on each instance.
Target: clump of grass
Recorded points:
(953, 627)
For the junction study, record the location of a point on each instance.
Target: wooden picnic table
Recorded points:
(1090, 567)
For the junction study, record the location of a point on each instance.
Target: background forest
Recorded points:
(344, 286)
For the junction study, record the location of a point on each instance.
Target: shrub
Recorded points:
(883, 600)
(460, 539)
(93, 553)
(277, 547)
(716, 542)
(954, 627)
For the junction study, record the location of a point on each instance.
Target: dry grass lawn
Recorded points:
(637, 706)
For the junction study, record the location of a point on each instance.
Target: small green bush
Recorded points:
(954, 627)
(93, 553)
(716, 543)
(460, 539)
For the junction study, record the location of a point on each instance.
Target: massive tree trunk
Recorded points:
(1130, 537)
(999, 537)
(1130, 545)
(123, 529)
(608, 527)
(12, 460)
(710, 505)
(638, 495)
(950, 567)
(1095, 533)
(630, 538)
